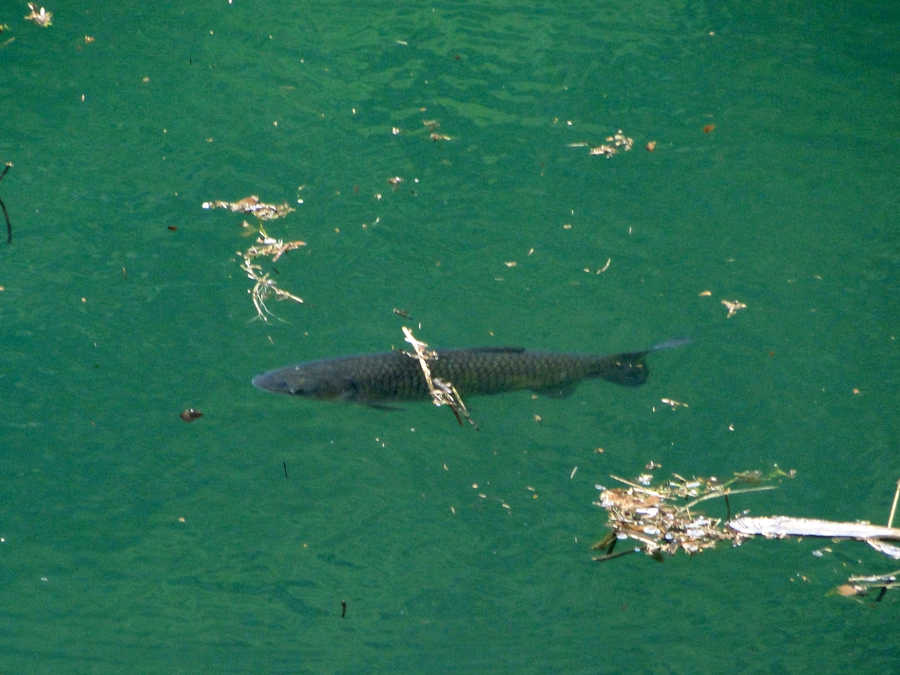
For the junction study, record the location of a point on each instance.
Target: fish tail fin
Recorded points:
(625, 369)
(629, 369)
(670, 344)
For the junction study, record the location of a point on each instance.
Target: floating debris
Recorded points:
(253, 206)
(442, 393)
(433, 126)
(672, 403)
(861, 585)
(733, 306)
(269, 246)
(263, 287)
(614, 144)
(189, 415)
(41, 16)
(660, 518)
(264, 246)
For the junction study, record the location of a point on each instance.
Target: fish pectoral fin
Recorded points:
(557, 391)
(382, 406)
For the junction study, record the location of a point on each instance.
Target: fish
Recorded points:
(397, 376)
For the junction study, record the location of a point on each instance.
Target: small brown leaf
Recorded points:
(189, 414)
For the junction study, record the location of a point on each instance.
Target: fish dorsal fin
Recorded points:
(498, 350)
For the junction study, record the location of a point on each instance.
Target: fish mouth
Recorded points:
(281, 382)
(270, 382)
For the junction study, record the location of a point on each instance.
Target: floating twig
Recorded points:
(3, 206)
(262, 288)
(264, 246)
(894, 505)
(442, 393)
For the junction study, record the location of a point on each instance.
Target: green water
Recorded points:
(134, 542)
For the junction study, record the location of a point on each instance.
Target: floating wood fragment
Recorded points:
(787, 526)
(672, 403)
(889, 550)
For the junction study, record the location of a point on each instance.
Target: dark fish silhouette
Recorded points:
(396, 376)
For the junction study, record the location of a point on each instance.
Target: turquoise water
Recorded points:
(135, 542)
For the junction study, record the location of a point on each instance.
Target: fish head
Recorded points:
(288, 381)
(305, 380)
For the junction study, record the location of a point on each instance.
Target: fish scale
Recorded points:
(372, 378)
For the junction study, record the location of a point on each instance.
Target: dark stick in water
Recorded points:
(3, 206)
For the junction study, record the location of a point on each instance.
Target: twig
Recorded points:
(3, 206)
(442, 393)
(264, 286)
(610, 556)
(725, 493)
(637, 487)
(265, 246)
(890, 522)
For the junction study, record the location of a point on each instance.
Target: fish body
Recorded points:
(397, 376)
